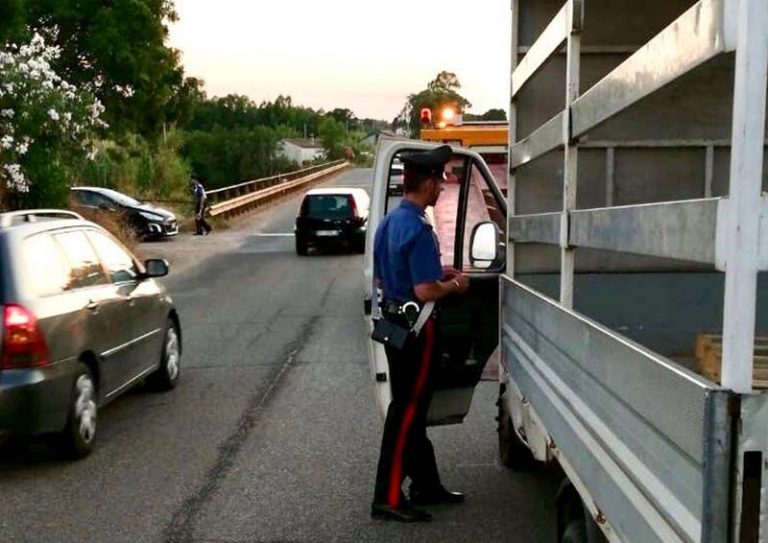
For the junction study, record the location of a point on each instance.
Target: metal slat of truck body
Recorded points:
(690, 230)
(545, 46)
(683, 230)
(700, 34)
(538, 228)
(546, 138)
(630, 422)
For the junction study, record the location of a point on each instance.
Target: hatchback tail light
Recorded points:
(353, 206)
(23, 342)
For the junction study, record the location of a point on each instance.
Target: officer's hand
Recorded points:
(449, 272)
(463, 283)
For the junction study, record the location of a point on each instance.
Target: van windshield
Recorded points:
(328, 206)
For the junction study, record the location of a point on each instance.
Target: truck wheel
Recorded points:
(575, 532)
(79, 435)
(513, 453)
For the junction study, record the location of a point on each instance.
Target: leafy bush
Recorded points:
(222, 156)
(144, 169)
(46, 126)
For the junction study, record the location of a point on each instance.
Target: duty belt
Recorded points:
(416, 315)
(401, 308)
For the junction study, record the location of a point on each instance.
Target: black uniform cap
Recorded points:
(428, 162)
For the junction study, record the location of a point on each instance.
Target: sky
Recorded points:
(357, 54)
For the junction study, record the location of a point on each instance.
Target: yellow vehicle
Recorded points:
(487, 138)
(483, 137)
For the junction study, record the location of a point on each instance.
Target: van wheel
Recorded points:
(513, 453)
(166, 376)
(79, 435)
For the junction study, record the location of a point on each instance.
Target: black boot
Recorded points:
(435, 496)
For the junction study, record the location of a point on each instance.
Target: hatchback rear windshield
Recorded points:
(328, 206)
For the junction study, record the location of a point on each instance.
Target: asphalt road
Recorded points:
(272, 434)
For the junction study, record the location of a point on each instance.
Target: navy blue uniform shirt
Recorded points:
(199, 193)
(405, 252)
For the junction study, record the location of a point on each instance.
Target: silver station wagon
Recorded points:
(82, 321)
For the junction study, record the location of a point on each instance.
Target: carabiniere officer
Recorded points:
(407, 268)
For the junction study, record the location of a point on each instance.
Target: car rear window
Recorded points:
(328, 206)
(86, 270)
(46, 269)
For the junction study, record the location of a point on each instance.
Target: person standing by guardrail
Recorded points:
(202, 228)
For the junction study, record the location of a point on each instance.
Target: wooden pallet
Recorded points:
(709, 353)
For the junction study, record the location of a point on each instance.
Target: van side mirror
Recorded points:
(155, 268)
(484, 244)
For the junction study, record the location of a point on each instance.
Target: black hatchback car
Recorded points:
(82, 322)
(147, 221)
(332, 217)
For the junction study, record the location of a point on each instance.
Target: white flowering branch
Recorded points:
(41, 115)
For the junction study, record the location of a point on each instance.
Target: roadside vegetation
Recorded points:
(79, 105)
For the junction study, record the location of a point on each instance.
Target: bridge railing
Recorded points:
(243, 196)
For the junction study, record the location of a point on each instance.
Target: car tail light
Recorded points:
(23, 342)
(353, 205)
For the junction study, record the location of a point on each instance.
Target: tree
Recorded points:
(332, 134)
(440, 92)
(46, 126)
(12, 20)
(223, 156)
(117, 50)
(490, 115)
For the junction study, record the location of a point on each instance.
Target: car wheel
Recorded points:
(513, 453)
(301, 247)
(166, 376)
(79, 435)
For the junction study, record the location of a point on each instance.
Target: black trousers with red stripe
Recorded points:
(405, 448)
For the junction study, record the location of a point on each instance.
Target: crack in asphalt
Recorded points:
(327, 292)
(180, 528)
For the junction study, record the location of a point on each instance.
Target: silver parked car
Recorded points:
(82, 322)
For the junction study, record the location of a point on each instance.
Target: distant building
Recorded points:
(372, 139)
(301, 150)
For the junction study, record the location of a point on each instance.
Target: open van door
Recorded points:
(471, 203)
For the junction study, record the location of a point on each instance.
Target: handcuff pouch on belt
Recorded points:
(395, 336)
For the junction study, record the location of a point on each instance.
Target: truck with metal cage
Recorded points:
(633, 301)
(624, 286)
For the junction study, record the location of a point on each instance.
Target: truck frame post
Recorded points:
(571, 152)
(742, 227)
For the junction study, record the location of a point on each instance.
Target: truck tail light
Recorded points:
(23, 342)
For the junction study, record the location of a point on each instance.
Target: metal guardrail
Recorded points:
(238, 198)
